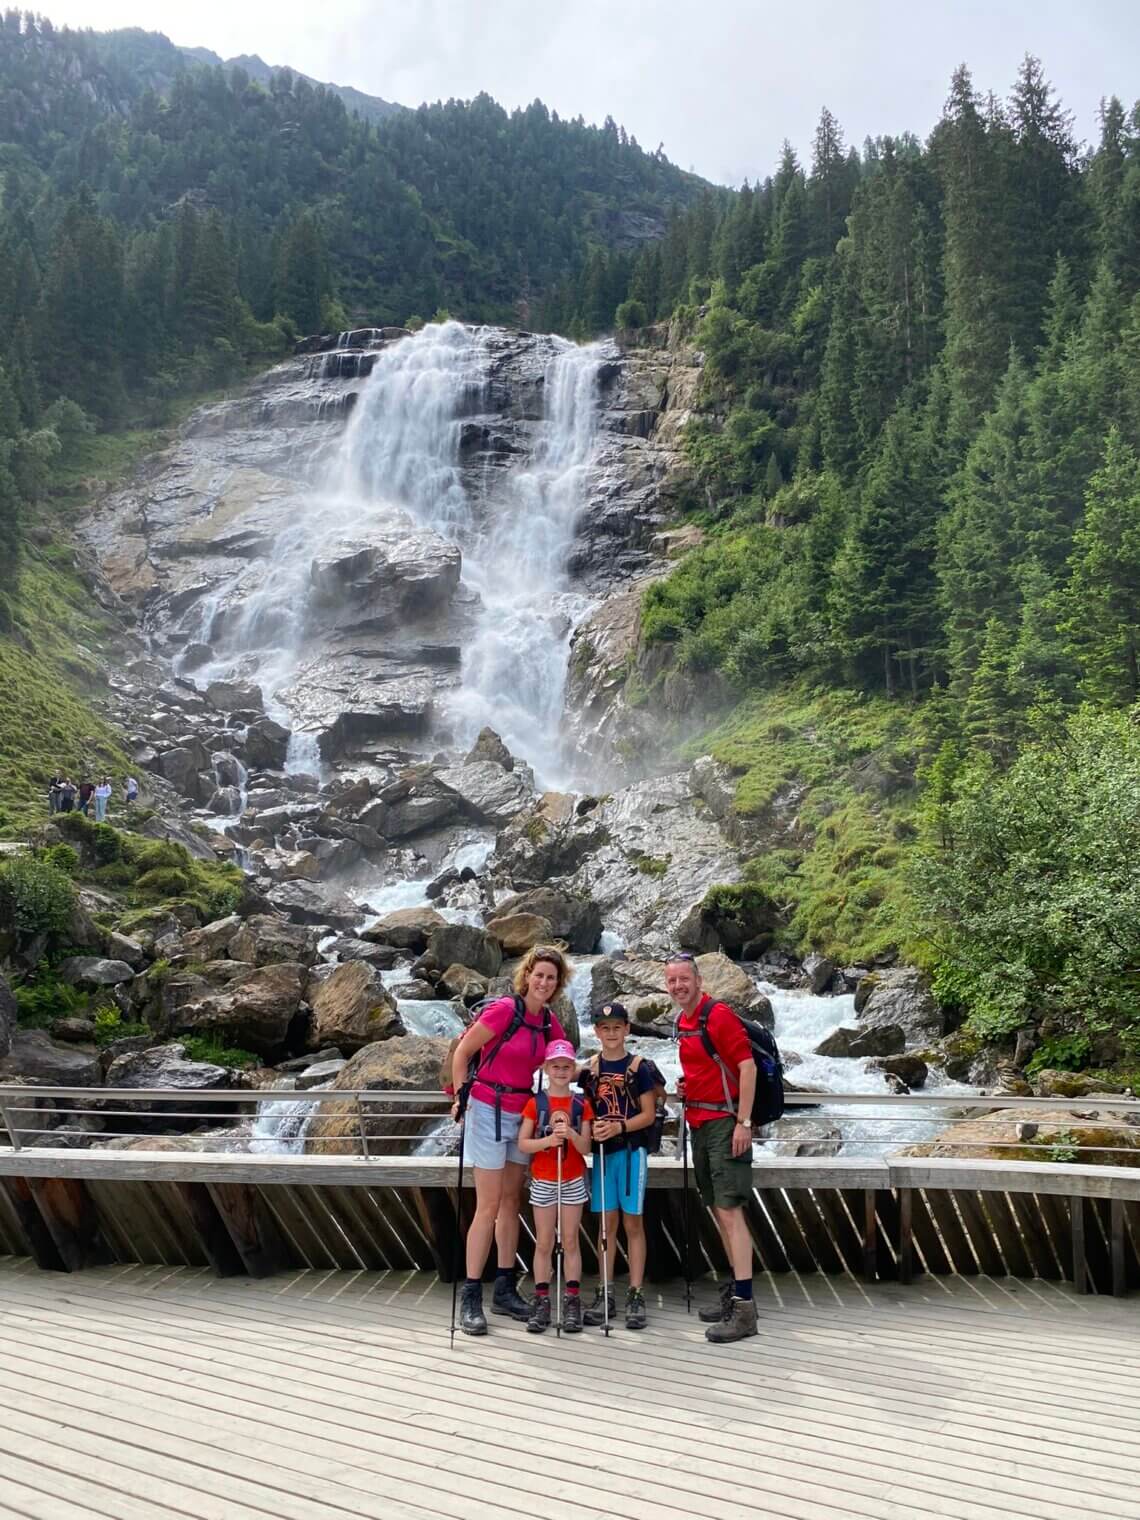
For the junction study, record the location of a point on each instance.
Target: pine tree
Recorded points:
(1103, 595)
(303, 277)
(1062, 314)
(991, 717)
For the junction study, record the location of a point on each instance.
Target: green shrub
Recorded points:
(1066, 1052)
(215, 1053)
(164, 881)
(64, 857)
(45, 998)
(651, 865)
(38, 896)
(110, 1025)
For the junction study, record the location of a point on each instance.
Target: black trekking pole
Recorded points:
(685, 1210)
(605, 1242)
(558, 1249)
(457, 1260)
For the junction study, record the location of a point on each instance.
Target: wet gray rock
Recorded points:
(412, 815)
(352, 1008)
(305, 903)
(94, 971)
(253, 1011)
(818, 972)
(383, 573)
(73, 1031)
(265, 940)
(121, 947)
(320, 1072)
(235, 696)
(383, 957)
(227, 768)
(266, 745)
(911, 1070)
(166, 1066)
(406, 928)
(485, 791)
(900, 996)
(488, 746)
(883, 1040)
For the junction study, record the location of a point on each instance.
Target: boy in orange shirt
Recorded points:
(556, 1121)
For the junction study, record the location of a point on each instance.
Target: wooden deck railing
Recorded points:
(874, 1211)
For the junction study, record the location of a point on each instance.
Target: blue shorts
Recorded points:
(480, 1148)
(626, 1173)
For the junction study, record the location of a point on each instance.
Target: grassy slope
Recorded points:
(826, 780)
(49, 665)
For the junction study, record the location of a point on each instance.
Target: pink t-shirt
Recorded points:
(515, 1062)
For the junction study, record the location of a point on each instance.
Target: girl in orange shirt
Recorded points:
(556, 1121)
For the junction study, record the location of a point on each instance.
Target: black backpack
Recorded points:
(768, 1101)
(642, 1139)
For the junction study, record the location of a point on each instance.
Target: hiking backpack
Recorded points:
(768, 1100)
(542, 1125)
(648, 1139)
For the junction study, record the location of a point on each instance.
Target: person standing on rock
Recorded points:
(66, 795)
(717, 1092)
(132, 790)
(508, 1043)
(86, 792)
(102, 797)
(53, 793)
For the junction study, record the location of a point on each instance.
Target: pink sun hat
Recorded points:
(559, 1050)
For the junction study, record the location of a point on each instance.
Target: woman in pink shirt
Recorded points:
(508, 1040)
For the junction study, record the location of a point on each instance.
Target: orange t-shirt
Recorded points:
(544, 1164)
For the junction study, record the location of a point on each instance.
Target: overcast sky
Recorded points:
(720, 82)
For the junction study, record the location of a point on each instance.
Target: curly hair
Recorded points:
(530, 960)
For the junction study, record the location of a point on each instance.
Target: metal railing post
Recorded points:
(362, 1128)
(13, 1132)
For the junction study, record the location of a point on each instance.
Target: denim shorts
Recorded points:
(626, 1174)
(480, 1148)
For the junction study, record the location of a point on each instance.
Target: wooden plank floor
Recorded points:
(150, 1393)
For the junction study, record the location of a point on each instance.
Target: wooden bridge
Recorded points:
(256, 1335)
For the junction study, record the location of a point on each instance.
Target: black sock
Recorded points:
(542, 1289)
(742, 1289)
(505, 1275)
(573, 1288)
(473, 1282)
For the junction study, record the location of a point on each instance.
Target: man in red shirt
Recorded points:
(717, 1095)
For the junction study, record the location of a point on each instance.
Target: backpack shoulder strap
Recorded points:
(542, 1111)
(577, 1111)
(595, 1064)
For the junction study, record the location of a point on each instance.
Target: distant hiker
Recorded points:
(555, 1134)
(54, 786)
(718, 1106)
(623, 1089)
(86, 792)
(508, 1041)
(102, 797)
(132, 792)
(66, 795)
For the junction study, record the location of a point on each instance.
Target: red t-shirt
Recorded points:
(704, 1080)
(544, 1164)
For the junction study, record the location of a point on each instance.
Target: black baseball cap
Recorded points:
(609, 1011)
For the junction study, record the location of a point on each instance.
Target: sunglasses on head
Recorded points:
(548, 953)
(682, 955)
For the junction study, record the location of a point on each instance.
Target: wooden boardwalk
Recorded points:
(148, 1393)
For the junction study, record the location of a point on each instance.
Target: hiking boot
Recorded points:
(572, 1313)
(596, 1313)
(738, 1324)
(472, 1320)
(508, 1300)
(539, 1318)
(713, 1314)
(635, 1316)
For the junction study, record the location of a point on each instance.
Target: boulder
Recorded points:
(723, 979)
(352, 1008)
(411, 815)
(804, 1137)
(604, 986)
(461, 982)
(93, 971)
(415, 991)
(575, 919)
(383, 957)
(224, 802)
(465, 945)
(410, 1063)
(1050, 1083)
(233, 696)
(320, 1072)
(35, 1058)
(406, 928)
(254, 1011)
(265, 940)
(909, 1069)
(900, 996)
(7, 1017)
(305, 903)
(266, 745)
(183, 768)
(486, 792)
(121, 947)
(518, 932)
(166, 1066)
(73, 1031)
(212, 940)
(227, 769)
(882, 1040)
(488, 746)
(1035, 1134)
(818, 972)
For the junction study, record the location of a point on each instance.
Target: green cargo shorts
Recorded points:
(724, 1181)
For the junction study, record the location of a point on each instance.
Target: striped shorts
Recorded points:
(544, 1195)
